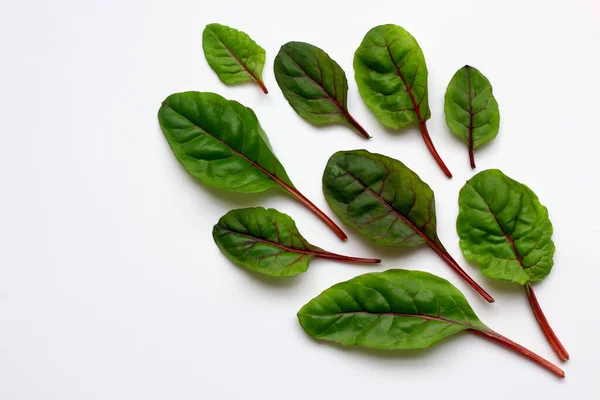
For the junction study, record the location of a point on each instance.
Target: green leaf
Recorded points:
(391, 74)
(503, 227)
(471, 109)
(386, 202)
(314, 85)
(398, 309)
(221, 142)
(267, 241)
(233, 55)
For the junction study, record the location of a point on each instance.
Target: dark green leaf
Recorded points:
(504, 228)
(397, 309)
(386, 202)
(221, 142)
(471, 109)
(268, 242)
(391, 74)
(314, 85)
(233, 55)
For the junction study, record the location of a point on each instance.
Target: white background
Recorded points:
(110, 284)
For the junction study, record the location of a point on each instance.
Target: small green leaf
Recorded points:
(221, 142)
(471, 109)
(398, 309)
(233, 55)
(268, 242)
(386, 202)
(503, 227)
(314, 85)
(391, 73)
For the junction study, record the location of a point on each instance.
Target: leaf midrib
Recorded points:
(265, 241)
(420, 316)
(237, 59)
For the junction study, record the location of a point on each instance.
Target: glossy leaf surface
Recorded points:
(233, 55)
(398, 309)
(267, 241)
(314, 85)
(391, 74)
(503, 227)
(221, 142)
(386, 202)
(471, 109)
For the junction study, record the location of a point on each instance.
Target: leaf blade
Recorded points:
(504, 228)
(233, 55)
(314, 85)
(471, 109)
(395, 309)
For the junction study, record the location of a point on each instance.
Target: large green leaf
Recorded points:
(386, 202)
(221, 142)
(391, 74)
(267, 241)
(398, 309)
(314, 85)
(471, 108)
(233, 55)
(503, 227)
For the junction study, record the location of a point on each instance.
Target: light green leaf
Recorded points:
(233, 55)
(471, 109)
(267, 241)
(386, 202)
(391, 74)
(314, 85)
(221, 142)
(395, 309)
(503, 227)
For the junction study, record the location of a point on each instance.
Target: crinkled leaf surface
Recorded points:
(233, 55)
(391, 74)
(380, 197)
(220, 141)
(503, 227)
(395, 309)
(314, 84)
(471, 109)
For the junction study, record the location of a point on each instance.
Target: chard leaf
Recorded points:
(504, 228)
(398, 309)
(267, 241)
(221, 142)
(233, 55)
(314, 85)
(391, 73)
(386, 202)
(471, 109)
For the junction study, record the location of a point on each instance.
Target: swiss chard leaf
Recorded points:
(391, 74)
(398, 309)
(233, 55)
(267, 241)
(314, 85)
(471, 109)
(504, 228)
(386, 202)
(221, 142)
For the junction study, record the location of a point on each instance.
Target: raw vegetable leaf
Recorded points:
(391, 73)
(398, 309)
(471, 109)
(221, 142)
(386, 202)
(233, 55)
(314, 85)
(504, 228)
(267, 241)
